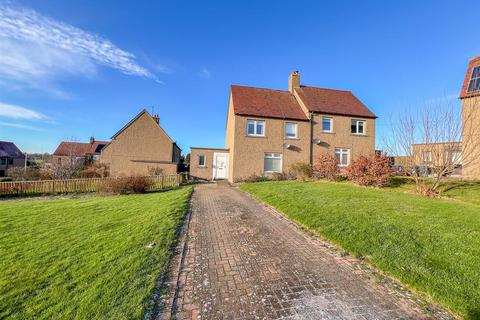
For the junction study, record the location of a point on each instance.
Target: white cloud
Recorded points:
(19, 126)
(37, 50)
(205, 73)
(18, 112)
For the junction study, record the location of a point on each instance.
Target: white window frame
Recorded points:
(295, 125)
(273, 155)
(255, 127)
(356, 126)
(204, 160)
(472, 79)
(331, 124)
(427, 158)
(343, 152)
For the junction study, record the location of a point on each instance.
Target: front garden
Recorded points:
(86, 258)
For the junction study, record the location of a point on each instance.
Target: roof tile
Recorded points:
(333, 101)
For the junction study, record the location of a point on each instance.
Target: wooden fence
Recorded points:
(81, 185)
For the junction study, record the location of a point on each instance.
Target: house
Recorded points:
(470, 97)
(141, 147)
(464, 155)
(438, 155)
(268, 130)
(10, 156)
(78, 153)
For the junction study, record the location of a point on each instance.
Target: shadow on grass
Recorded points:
(458, 185)
(397, 182)
(473, 314)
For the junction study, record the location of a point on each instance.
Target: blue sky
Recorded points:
(76, 69)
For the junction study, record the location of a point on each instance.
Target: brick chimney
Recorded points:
(156, 118)
(293, 81)
(92, 140)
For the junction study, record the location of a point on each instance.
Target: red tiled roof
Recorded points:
(475, 62)
(269, 103)
(333, 101)
(79, 149)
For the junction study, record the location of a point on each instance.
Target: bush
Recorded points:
(370, 171)
(281, 176)
(254, 178)
(302, 170)
(326, 168)
(124, 185)
(95, 170)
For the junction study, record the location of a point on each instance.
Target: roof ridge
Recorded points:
(261, 88)
(323, 88)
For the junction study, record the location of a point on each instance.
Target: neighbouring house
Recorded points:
(268, 130)
(10, 157)
(78, 153)
(441, 155)
(470, 96)
(141, 147)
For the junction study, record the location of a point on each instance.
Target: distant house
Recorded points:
(78, 152)
(268, 130)
(141, 147)
(10, 156)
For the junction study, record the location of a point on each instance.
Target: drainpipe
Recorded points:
(311, 138)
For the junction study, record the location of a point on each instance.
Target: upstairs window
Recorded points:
(201, 160)
(256, 128)
(358, 126)
(474, 84)
(342, 156)
(290, 130)
(427, 156)
(327, 124)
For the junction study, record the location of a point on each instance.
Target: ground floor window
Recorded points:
(342, 155)
(201, 160)
(273, 162)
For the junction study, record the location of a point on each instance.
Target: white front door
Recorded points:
(220, 165)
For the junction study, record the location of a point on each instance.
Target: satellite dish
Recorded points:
(286, 145)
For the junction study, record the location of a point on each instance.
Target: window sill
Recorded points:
(286, 138)
(327, 132)
(250, 136)
(359, 134)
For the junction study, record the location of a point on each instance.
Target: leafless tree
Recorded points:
(68, 165)
(436, 141)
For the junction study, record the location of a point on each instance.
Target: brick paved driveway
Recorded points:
(244, 261)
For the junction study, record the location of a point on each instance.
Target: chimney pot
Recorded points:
(156, 118)
(92, 140)
(293, 81)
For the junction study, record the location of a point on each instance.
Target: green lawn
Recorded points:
(433, 245)
(85, 258)
(463, 190)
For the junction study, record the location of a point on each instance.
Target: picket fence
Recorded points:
(81, 185)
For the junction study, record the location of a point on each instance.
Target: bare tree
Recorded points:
(69, 164)
(436, 141)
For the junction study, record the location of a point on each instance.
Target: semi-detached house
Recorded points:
(268, 130)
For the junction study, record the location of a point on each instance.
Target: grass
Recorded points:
(85, 258)
(433, 245)
(463, 190)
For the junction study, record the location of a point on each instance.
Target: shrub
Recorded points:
(124, 185)
(254, 178)
(326, 168)
(281, 176)
(302, 170)
(370, 171)
(95, 170)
